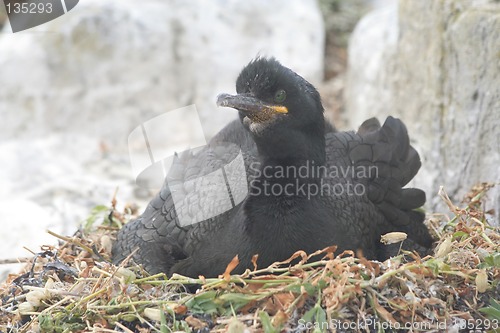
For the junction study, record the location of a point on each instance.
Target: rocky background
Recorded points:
(73, 89)
(436, 65)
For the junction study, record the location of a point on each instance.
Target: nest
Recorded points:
(74, 288)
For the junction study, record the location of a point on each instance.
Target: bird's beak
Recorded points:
(246, 103)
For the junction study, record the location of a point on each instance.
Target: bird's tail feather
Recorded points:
(388, 148)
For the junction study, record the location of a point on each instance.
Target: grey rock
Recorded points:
(106, 66)
(435, 65)
(73, 89)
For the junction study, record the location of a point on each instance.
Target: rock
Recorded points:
(26, 221)
(371, 45)
(440, 75)
(108, 66)
(53, 183)
(73, 89)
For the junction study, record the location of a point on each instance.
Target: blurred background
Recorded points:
(74, 88)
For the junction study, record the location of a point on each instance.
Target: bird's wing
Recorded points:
(195, 201)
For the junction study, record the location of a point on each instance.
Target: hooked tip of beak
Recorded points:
(222, 100)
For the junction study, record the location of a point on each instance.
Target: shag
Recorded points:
(307, 186)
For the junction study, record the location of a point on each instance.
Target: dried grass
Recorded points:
(74, 288)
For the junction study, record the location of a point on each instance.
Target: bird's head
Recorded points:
(272, 101)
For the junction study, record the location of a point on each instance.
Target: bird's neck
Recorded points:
(289, 162)
(288, 177)
(293, 147)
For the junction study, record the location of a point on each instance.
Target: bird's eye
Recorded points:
(280, 96)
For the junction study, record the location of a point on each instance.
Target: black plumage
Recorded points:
(282, 127)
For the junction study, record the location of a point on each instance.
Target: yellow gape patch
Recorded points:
(279, 108)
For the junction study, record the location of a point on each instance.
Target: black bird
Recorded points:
(349, 190)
